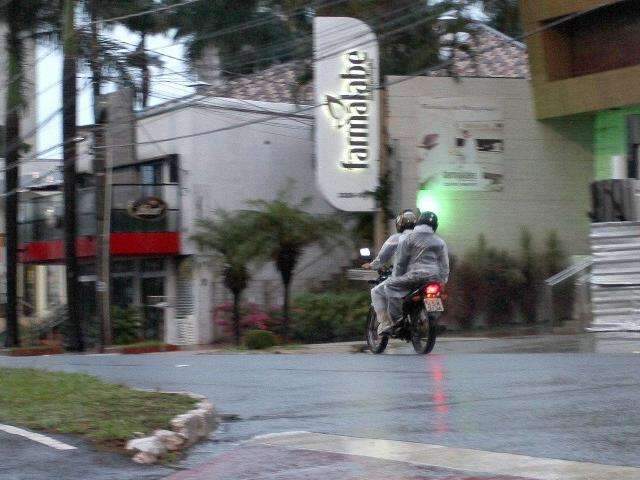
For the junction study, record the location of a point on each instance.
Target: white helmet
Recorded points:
(406, 221)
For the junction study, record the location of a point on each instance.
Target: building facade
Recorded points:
(518, 173)
(160, 189)
(585, 63)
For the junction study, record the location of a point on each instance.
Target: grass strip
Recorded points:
(74, 403)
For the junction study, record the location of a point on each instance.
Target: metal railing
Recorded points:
(561, 278)
(41, 218)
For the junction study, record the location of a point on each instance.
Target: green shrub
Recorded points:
(127, 325)
(493, 287)
(259, 339)
(329, 317)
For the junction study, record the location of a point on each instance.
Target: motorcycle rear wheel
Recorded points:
(377, 344)
(425, 331)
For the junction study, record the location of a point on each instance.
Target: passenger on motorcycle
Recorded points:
(404, 224)
(421, 257)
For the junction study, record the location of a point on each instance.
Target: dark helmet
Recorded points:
(428, 218)
(406, 221)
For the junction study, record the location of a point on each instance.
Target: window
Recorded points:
(152, 265)
(173, 169)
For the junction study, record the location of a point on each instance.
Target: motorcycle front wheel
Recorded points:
(377, 343)
(425, 330)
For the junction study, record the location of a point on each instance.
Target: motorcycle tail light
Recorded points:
(433, 290)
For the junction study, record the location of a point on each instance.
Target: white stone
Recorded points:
(171, 440)
(149, 445)
(189, 426)
(145, 458)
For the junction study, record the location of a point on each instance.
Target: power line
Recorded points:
(420, 72)
(140, 14)
(435, 67)
(208, 132)
(257, 22)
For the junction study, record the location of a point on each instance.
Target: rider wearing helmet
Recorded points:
(422, 256)
(404, 224)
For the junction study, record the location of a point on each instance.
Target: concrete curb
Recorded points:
(186, 429)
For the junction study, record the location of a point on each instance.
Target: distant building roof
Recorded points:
(492, 54)
(275, 84)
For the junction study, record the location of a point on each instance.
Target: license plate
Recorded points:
(433, 305)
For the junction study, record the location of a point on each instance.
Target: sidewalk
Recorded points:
(312, 456)
(610, 342)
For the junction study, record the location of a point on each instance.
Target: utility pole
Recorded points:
(103, 225)
(380, 227)
(69, 138)
(11, 158)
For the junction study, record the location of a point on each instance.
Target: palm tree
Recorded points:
(227, 236)
(21, 17)
(214, 23)
(285, 230)
(141, 59)
(104, 54)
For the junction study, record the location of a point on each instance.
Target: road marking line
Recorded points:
(36, 437)
(464, 459)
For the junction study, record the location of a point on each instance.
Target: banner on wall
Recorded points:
(460, 145)
(347, 120)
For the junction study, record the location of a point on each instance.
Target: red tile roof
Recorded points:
(492, 54)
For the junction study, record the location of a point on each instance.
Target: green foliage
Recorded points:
(532, 276)
(215, 22)
(127, 325)
(229, 236)
(327, 317)
(284, 229)
(259, 339)
(553, 261)
(71, 403)
(494, 287)
(412, 33)
(383, 195)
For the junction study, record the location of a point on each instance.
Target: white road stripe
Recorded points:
(465, 459)
(36, 437)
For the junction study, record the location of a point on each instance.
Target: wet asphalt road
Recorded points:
(572, 405)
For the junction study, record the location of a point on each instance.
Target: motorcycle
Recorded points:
(419, 324)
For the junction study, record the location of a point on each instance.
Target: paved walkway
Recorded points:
(311, 456)
(262, 462)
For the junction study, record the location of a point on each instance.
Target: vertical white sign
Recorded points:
(347, 127)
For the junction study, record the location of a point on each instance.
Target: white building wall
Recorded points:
(224, 170)
(546, 172)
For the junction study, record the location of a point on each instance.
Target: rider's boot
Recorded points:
(385, 325)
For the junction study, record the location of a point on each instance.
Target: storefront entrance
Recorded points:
(152, 289)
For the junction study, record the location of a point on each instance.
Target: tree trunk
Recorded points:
(94, 60)
(285, 311)
(236, 316)
(146, 80)
(69, 92)
(103, 310)
(286, 260)
(12, 156)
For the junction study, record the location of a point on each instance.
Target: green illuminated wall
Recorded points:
(610, 138)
